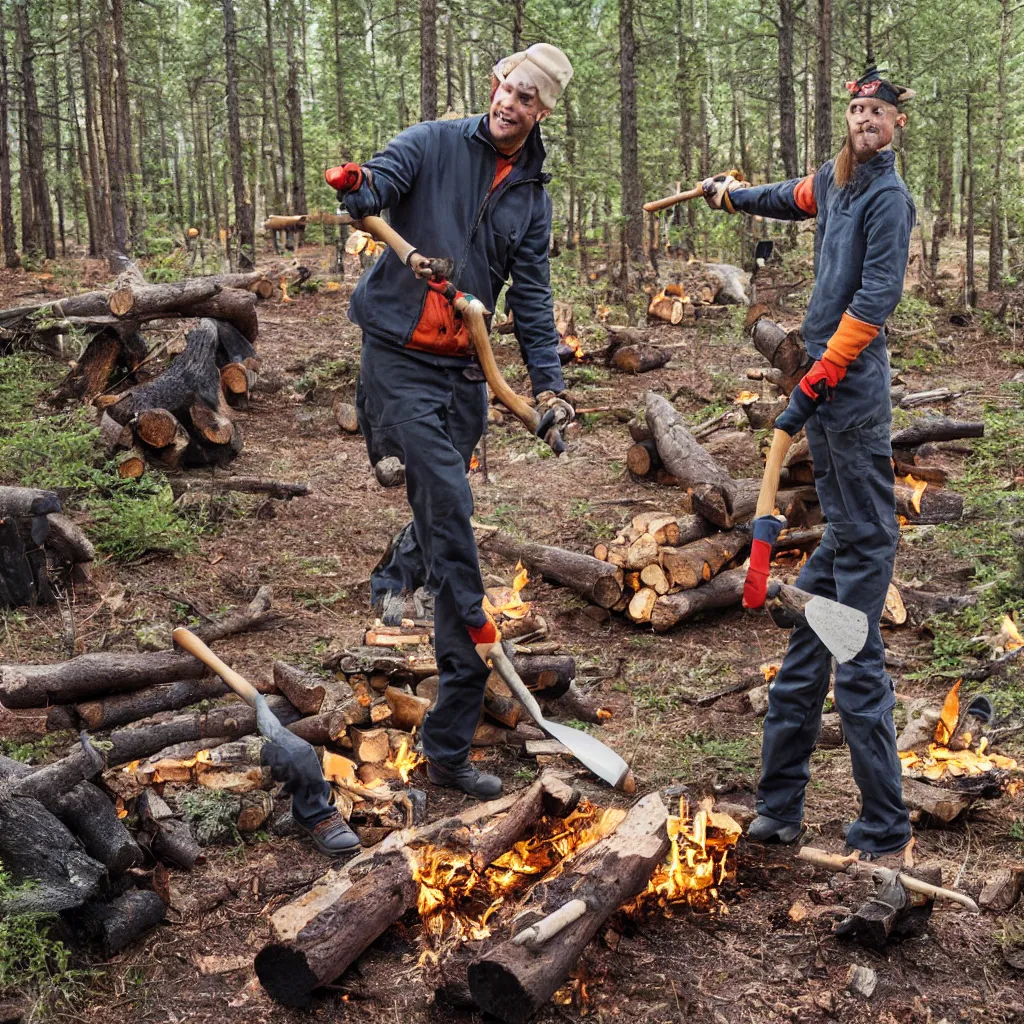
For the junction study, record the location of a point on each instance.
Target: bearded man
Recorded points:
(471, 189)
(864, 215)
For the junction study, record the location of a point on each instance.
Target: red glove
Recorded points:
(766, 533)
(824, 374)
(485, 634)
(346, 178)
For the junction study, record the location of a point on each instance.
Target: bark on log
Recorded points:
(596, 580)
(710, 503)
(27, 501)
(305, 690)
(574, 703)
(512, 981)
(784, 351)
(171, 839)
(936, 428)
(123, 708)
(723, 591)
(937, 505)
(549, 676)
(113, 354)
(115, 925)
(682, 454)
(696, 563)
(244, 484)
(639, 358)
(35, 845)
(326, 727)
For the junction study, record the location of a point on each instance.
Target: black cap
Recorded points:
(871, 83)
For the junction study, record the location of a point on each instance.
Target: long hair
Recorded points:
(844, 164)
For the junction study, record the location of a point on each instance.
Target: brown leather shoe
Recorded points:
(332, 836)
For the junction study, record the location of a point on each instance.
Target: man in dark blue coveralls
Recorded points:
(864, 217)
(473, 190)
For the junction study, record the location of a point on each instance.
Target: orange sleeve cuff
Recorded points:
(803, 195)
(851, 338)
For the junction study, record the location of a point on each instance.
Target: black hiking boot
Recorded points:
(465, 777)
(332, 836)
(767, 830)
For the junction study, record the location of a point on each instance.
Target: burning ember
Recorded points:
(456, 902)
(770, 670)
(474, 463)
(506, 601)
(917, 486)
(698, 861)
(574, 343)
(1009, 638)
(404, 760)
(955, 752)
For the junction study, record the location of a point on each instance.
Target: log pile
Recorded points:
(182, 418)
(43, 554)
(698, 291)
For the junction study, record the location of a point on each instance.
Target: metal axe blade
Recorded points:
(842, 629)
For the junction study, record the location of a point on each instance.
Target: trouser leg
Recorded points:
(795, 699)
(448, 729)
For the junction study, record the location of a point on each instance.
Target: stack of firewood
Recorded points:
(43, 554)
(696, 289)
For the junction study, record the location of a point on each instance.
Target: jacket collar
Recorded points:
(533, 153)
(865, 174)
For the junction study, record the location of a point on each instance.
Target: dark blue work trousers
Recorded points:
(431, 413)
(853, 564)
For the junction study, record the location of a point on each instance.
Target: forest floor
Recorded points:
(751, 960)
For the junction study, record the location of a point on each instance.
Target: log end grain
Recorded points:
(497, 991)
(286, 975)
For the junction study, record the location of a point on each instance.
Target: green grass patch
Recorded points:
(127, 518)
(35, 751)
(22, 378)
(696, 749)
(32, 963)
(332, 374)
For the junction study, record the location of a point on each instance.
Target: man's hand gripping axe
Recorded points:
(436, 272)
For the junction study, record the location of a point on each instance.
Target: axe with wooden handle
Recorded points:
(842, 629)
(473, 313)
(679, 197)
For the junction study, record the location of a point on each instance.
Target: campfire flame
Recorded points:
(404, 760)
(970, 758)
(918, 487)
(770, 670)
(456, 903)
(746, 398)
(506, 601)
(574, 343)
(474, 463)
(1009, 638)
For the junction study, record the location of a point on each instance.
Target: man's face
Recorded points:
(515, 109)
(871, 124)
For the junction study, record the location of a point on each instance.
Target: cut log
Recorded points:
(653, 576)
(407, 709)
(641, 605)
(305, 690)
(488, 735)
(549, 676)
(732, 284)
(512, 981)
(638, 430)
(941, 805)
(574, 703)
(115, 925)
(369, 745)
(937, 505)
(325, 727)
(588, 576)
(936, 428)
(709, 503)
(1003, 890)
(642, 458)
(723, 591)
(642, 552)
(639, 358)
(499, 704)
(121, 709)
(682, 454)
(27, 501)
(698, 562)
(170, 838)
(244, 484)
(784, 350)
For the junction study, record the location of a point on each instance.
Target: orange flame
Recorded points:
(746, 398)
(404, 760)
(574, 343)
(1009, 638)
(506, 601)
(285, 297)
(918, 487)
(474, 463)
(770, 670)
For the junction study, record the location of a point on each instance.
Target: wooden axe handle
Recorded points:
(384, 232)
(781, 443)
(832, 861)
(190, 643)
(679, 197)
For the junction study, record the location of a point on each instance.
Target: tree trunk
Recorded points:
(339, 86)
(723, 591)
(293, 102)
(7, 228)
(276, 104)
(823, 85)
(244, 227)
(787, 96)
(95, 181)
(513, 981)
(123, 708)
(43, 239)
(129, 162)
(118, 252)
(632, 200)
(998, 212)
(428, 60)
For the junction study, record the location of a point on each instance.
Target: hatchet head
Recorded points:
(842, 629)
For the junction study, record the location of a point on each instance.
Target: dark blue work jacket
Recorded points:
(861, 248)
(435, 180)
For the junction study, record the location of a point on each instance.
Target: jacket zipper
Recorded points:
(501, 190)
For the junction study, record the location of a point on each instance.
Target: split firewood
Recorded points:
(653, 576)
(325, 727)
(894, 613)
(724, 590)
(305, 690)
(512, 981)
(936, 428)
(115, 925)
(641, 605)
(697, 562)
(407, 709)
(941, 805)
(588, 576)
(320, 934)
(170, 839)
(783, 350)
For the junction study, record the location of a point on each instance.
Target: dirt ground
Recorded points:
(748, 962)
